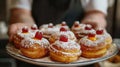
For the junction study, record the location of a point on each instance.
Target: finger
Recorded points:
(90, 22)
(11, 38)
(12, 30)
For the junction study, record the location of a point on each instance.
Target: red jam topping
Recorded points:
(63, 38)
(24, 30)
(38, 35)
(88, 27)
(76, 24)
(99, 32)
(63, 29)
(34, 27)
(91, 36)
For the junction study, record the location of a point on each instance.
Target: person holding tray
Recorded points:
(28, 12)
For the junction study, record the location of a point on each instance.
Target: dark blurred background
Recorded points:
(113, 19)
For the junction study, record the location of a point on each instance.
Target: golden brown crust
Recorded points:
(90, 54)
(17, 41)
(93, 51)
(35, 51)
(62, 58)
(59, 55)
(52, 39)
(92, 48)
(73, 50)
(108, 42)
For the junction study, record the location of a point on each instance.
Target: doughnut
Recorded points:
(64, 50)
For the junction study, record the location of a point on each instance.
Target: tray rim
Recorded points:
(29, 60)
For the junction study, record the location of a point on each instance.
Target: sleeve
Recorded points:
(100, 5)
(24, 4)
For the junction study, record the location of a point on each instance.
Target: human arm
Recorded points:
(19, 17)
(95, 12)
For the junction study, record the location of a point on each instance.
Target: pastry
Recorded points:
(108, 39)
(63, 31)
(81, 30)
(47, 32)
(34, 28)
(35, 47)
(64, 50)
(93, 46)
(20, 35)
(63, 24)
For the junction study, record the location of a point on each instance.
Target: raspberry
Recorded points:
(24, 30)
(63, 38)
(99, 32)
(38, 35)
(63, 29)
(76, 24)
(88, 28)
(34, 27)
(91, 35)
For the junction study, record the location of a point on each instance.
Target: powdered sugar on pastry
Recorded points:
(28, 42)
(87, 42)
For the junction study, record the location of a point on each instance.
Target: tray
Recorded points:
(11, 50)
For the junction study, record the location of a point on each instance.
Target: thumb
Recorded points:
(12, 30)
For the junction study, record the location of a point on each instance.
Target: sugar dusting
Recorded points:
(28, 42)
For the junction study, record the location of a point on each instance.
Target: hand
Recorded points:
(14, 27)
(96, 19)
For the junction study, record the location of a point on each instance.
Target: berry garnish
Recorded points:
(64, 38)
(38, 35)
(50, 25)
(24, 29)
(76, 24)
(99, 32)
(63, 23)
(34, 27)
(63, 29)
(88, 27)
(91, 36)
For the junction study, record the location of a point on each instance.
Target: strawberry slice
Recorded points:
(63, 38)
